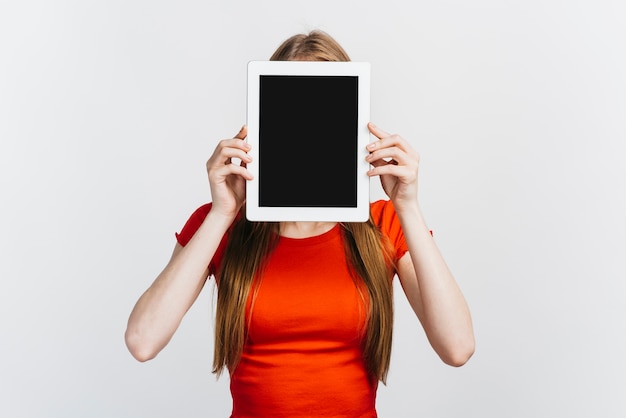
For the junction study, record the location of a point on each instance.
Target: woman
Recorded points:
(304, 312)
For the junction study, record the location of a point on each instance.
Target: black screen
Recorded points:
(308, 141)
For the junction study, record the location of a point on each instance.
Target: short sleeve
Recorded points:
(191, 226)
(385, 217)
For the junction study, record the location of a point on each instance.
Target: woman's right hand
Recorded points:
(228, 180)
(160, 309)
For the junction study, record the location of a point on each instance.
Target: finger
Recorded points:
(229, 149)
(382, 169)
(229, 169)
(378, 163)
(224, 155)
(230, 153)
(227, 145)
(382, 163)
(377, 132)
(243, 132)
(387, 155)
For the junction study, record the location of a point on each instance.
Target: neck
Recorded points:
(304, 229)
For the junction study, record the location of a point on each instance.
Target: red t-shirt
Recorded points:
(303, 356)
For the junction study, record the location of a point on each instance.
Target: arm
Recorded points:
(160, 310)
(425, 278)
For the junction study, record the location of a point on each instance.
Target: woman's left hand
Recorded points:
(397, 163)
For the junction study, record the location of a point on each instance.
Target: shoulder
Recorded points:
(202, 211)
(382, 211)
(193, 223)
(385, 218)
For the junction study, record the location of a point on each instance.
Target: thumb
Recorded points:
(376, 131)
(243, 132)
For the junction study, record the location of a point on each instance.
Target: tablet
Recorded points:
(307, 127)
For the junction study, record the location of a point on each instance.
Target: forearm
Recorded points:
(159, 311)
(436, 297)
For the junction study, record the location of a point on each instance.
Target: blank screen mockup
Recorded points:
(308, 141)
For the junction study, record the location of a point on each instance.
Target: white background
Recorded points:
(109, 110)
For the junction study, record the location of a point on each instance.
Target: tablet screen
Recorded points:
(308, 129)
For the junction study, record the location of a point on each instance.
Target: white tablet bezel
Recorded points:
(360, 213)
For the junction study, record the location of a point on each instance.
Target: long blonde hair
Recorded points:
(369, 255)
